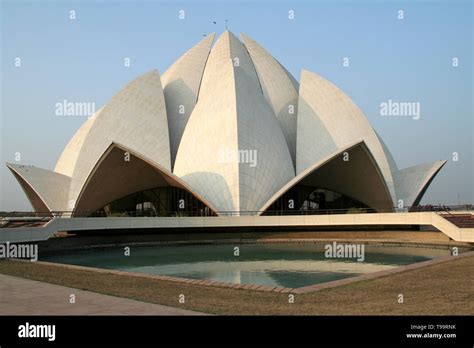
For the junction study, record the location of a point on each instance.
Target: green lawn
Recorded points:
(440, 289)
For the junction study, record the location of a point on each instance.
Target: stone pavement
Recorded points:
(20, 296)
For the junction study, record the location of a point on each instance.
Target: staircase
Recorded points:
(460, 220)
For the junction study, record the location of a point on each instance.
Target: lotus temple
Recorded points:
(228, 132)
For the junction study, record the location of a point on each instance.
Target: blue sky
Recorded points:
(402, 60)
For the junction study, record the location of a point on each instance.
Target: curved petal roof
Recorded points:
(351, 177)
(218, 123)
(137, 174)
(135, 117)
(279, 88)
(329, 119)
(233, 119)
(68, 159)
(181, 84)
(412, 182)
(46, 190)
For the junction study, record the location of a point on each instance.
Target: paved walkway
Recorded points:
(20, 296)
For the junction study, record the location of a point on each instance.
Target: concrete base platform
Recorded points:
(113, 225)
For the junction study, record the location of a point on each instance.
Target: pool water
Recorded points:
(285, 265)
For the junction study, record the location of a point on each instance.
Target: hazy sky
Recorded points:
(408, 60)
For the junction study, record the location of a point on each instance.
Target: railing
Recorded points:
(443, 208)
(45, 216)
(153, 213)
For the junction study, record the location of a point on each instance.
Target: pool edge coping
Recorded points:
(376, 241)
